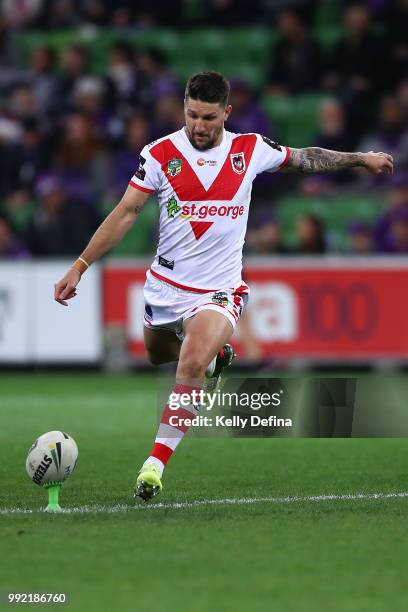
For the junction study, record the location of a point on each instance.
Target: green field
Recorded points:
(345, 555)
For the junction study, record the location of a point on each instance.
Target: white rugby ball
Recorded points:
(52, 458)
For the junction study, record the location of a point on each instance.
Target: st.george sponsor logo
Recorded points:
(204, 211)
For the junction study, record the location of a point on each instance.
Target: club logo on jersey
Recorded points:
(141, 172)
(172, 207)
(238, 162)
(271, 143)
(174, 166)
(206, 162)
(220, 298)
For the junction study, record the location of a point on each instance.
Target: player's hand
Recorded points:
(379, 163)
(65, 289)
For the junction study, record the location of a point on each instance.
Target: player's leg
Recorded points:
(162, 345)
(162, 321)
(205, 334)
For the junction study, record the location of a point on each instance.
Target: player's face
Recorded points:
(205, 122)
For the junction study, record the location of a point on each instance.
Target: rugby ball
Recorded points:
(52, 458)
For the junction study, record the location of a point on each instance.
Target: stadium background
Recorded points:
(85, 85)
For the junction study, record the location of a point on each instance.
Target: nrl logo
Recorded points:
(238, 162)
(172, 207)
(174, 166)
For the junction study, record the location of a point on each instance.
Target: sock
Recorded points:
(168, 436)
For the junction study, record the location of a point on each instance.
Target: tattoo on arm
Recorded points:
(315, 160)
(138, 209)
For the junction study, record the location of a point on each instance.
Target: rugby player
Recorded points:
(194, 294)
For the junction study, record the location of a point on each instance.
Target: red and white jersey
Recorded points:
(204, 199)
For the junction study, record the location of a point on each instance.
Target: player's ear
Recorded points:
(227, 111)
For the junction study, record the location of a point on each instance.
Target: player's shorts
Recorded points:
(167, 306)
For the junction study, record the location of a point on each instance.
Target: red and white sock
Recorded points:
(168, 436)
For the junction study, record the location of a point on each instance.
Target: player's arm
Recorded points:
(109, 233)
(314, 160)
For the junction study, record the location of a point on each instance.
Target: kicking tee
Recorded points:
(204, 199)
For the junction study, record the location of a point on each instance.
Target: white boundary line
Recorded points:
(118, 508)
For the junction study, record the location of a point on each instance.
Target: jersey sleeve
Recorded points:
(147, 176)
(270, 156)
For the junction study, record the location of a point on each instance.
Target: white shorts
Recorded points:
(167, 306)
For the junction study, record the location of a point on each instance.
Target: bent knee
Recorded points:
(193, 368)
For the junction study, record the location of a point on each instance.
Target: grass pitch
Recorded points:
(342, 555)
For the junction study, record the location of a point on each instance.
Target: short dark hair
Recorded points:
(208, 87)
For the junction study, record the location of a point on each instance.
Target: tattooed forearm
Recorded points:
(138, 209)
(314, 159)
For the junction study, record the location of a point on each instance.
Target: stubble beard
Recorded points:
(205, 146)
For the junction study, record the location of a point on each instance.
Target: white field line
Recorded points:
(242, 501)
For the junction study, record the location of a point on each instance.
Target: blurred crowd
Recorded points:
(70, 138)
